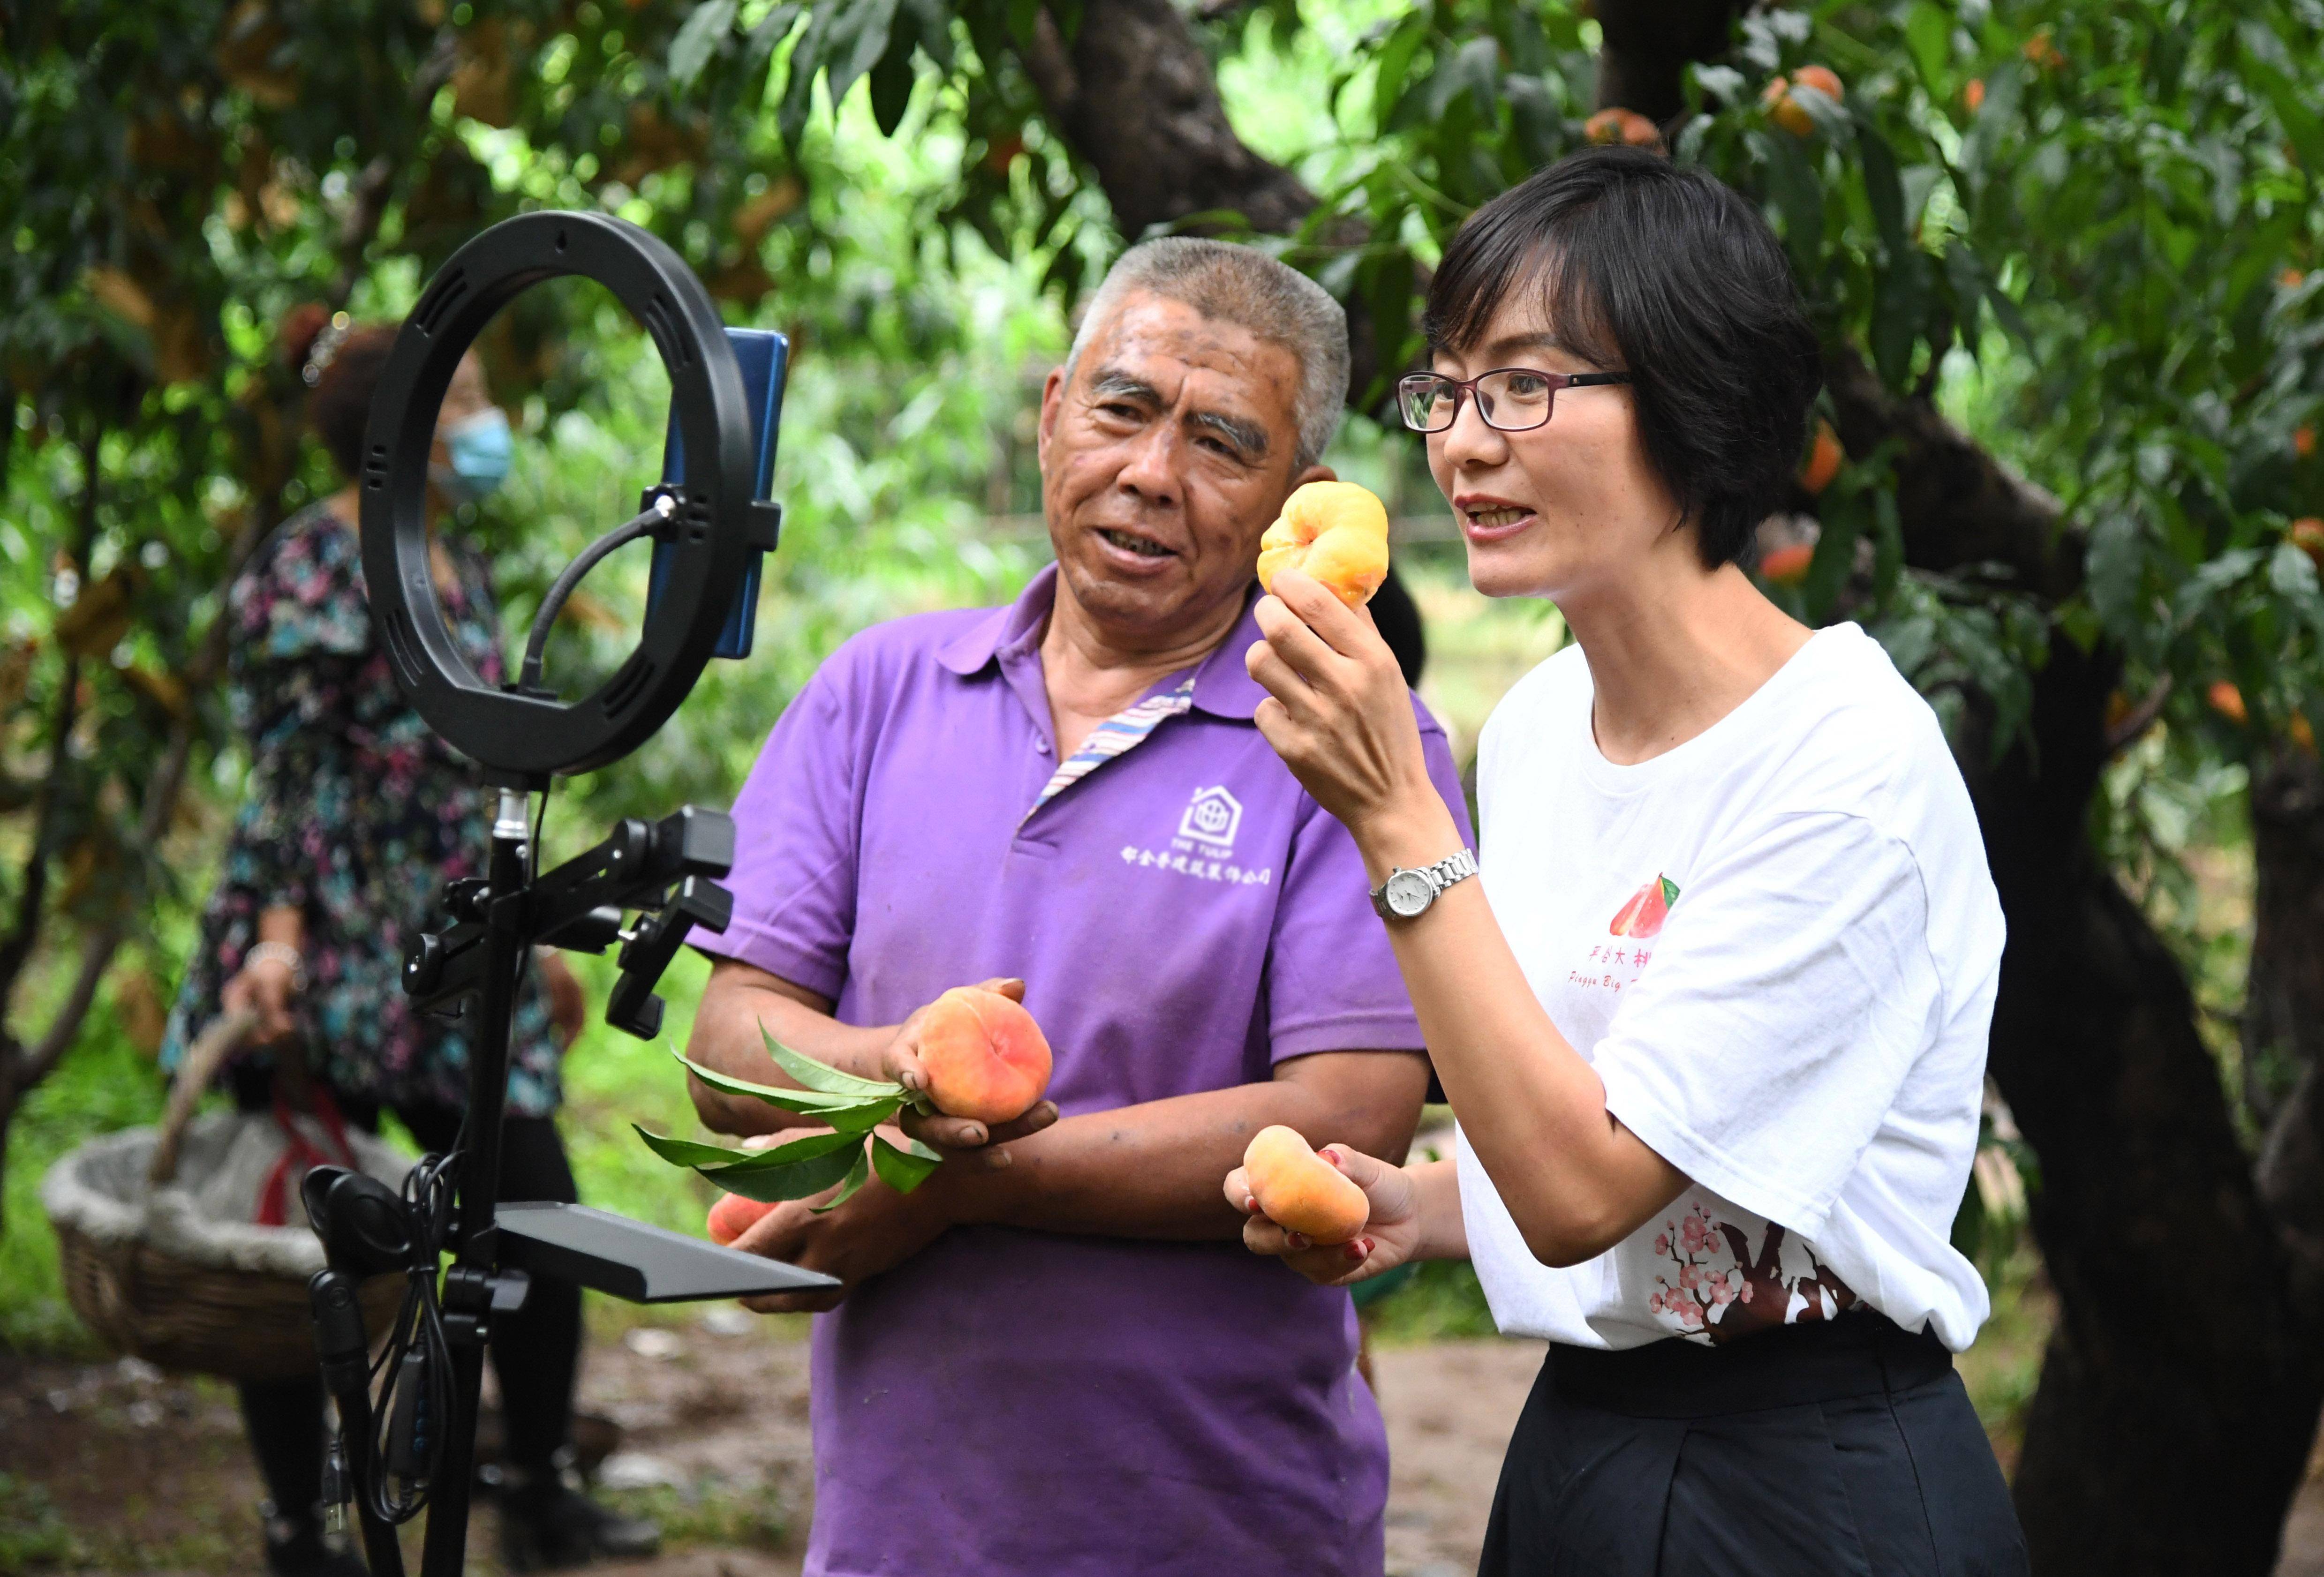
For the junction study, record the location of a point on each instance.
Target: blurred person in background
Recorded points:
(355, 816)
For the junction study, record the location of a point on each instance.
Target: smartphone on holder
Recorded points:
(764, 357)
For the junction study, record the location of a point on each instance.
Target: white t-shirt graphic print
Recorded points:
(1777, 945)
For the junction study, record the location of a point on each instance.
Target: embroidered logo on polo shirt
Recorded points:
(1210, 820)
(1203, 846)
(1177, 859)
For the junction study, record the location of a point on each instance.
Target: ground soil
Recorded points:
(148, 1474)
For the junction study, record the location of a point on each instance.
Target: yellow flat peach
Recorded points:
(1334, 531)
(1299, 1190)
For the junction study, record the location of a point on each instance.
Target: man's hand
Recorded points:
(960, 1138)
(876, 1230)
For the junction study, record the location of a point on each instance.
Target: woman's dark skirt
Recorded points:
(1841, 1447)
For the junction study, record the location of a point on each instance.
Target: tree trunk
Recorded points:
(2178, 1397)
(2282, 1028)
(1133, 95)
(1647, 49)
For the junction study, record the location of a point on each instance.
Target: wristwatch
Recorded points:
(1406, 894)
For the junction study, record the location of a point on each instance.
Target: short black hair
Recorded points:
(1662, 271)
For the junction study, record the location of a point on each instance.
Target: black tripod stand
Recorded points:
(420, 1433)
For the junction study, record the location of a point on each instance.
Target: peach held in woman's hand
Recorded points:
(984, 1056)
(1300, 1191)
(1334, 531)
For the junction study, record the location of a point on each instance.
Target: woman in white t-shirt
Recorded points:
(1717, 1041)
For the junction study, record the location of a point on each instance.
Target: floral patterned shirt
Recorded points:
(357, 815)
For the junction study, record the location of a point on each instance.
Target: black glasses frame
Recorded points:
(1464, 387)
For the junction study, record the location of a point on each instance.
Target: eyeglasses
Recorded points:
(1512, 399)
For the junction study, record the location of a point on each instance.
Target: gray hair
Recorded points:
(1243, 286)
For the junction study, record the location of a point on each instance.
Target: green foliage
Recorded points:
(2110, 250)
(178, 180)
(175, 189)
(34, 1535)
(106, 1085)
(1440, 1301)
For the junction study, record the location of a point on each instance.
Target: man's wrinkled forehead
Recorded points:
(1247, 434)
(1222, 373)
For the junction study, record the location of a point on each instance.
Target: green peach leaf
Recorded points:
(903, 1170)
(864, 1118)
(771, 1185)
(686, 1152)
(823, 1077)
(806, 1102)
(1670, 890)
(798, 1150)
(857, 1175)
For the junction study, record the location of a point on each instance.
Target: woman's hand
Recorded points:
(266, 987)
(1338, 711)
(963, 1138)
(1390, 1236)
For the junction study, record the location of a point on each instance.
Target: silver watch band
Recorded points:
(1398, 898)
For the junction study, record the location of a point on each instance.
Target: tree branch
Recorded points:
(375, 185)
(1134, 95)
(17, 950)
(1959, 506)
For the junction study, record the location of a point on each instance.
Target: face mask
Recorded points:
(480, 447)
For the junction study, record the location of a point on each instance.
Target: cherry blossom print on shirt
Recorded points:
(1718, 1290)
(1648, 907)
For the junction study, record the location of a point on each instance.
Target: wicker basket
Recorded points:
(160, 1277)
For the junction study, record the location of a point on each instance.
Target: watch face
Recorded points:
(1409, 893)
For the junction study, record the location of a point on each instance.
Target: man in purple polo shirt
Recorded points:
(1055, 1358)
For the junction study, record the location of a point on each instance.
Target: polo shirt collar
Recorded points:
(1222, 687)
(1016, 625)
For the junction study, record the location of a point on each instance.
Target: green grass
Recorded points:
(2004, 1365)
(1440, 1301)
(722, 1519)
(32, 1533)
(104, 1086)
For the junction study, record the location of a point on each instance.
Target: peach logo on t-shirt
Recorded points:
(1648, 907)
